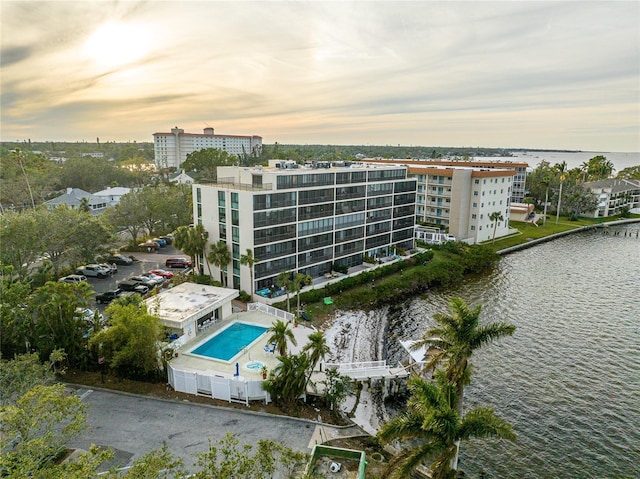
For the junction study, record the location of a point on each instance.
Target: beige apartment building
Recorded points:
(171, 148)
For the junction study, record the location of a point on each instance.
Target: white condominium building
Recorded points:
(519, 168)
(462, 199)
(171, 149)
(614, 196)
(305, 219)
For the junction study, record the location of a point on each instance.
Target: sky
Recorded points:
(540, 74)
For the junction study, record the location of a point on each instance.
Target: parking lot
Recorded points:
(144, 263)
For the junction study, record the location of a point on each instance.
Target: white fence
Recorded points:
(265, 308)
(363, 370)
(235, 389)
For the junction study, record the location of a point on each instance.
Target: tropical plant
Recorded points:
(192, 241)
(130, 344)
(453, 340)
(300, 280)
(545, 182)
(280, 333)
(432, 427)
(220, 257)
(284, 281)
(289, 380)
(317, 348)
(336, 388)
(452, 343)
(247, 259)
(561, 168)
(495, 217)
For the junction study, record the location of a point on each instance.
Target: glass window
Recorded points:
(223, 232)
(222, 213)
(235, 232)
(221, 200)
(234, 200)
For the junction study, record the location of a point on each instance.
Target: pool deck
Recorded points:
(255, 352)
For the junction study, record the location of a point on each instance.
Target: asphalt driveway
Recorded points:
(134, 425)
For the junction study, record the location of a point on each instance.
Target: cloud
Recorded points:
(416, 72)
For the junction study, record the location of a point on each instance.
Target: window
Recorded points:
(222, 214)
(473, 228)
(483, 193)
(476, 181)
(221, 200)
(234, 200)
(481, 205)
(475, 205)
(475, 193)
(484, 182)
(481, 216)
(473, 216)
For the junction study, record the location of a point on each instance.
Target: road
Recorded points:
(133, 425)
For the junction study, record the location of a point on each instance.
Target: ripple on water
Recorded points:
(569, 379)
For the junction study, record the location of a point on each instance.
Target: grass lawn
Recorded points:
(529, 231)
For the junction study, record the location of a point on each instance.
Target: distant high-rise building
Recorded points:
(171, 149)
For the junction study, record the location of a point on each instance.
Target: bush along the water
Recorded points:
(403, 279)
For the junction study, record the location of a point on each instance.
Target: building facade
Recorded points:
(462, 199)
(172, 148)
(305, 219)
(614, 195)
(519, 169)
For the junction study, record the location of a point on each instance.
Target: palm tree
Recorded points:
(284, 281)
(455, 338)
(248, 260)
(546, 181)
(192, 241)
(495, 217)
(317, 347)
(288, 380)
(220, 257)
(279, 334)
(300, 280)
(434, 428)
(562, 169)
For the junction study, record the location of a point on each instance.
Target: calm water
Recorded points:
(574, 160)
(569, 379)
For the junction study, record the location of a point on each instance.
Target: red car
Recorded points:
(177, 263)
(162, 272)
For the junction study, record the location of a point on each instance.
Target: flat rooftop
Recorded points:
(177, 306)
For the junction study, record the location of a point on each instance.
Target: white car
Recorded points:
(94, 270)
(157, 279)
(73, 279)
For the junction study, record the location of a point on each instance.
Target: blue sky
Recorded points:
(536, 74)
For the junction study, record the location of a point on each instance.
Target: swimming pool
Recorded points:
(226, 344)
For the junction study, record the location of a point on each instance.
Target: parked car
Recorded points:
(119, 259)
(111, 267)
(94, 271)
(158, 280)
(73, 279)
(177, 263)
(89, 315)
(150, 245)
(160, 241)
(142, 280)
(109, 296)
(162, 272)
(167, 238)
(133, 286)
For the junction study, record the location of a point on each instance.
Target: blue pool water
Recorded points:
(230, 341)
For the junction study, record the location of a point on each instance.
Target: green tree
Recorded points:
(192, 240)
(280, 333)
(204, 163)
(130, 344)
(578, 200)
(284, 281)
(248, 260)
(20, 374)
(34, 431)
(69, 235)
(16, 320)
(631, 173)
(336, 388)
(599, 168)
(220, 256)
(288, 381)
(299, 281)
(495, 217)
(453, 340)
(129, 215)
(561, 169)
(56, 325)
(432, 427)
(317, 348)
(545, 182)
(20, 240)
